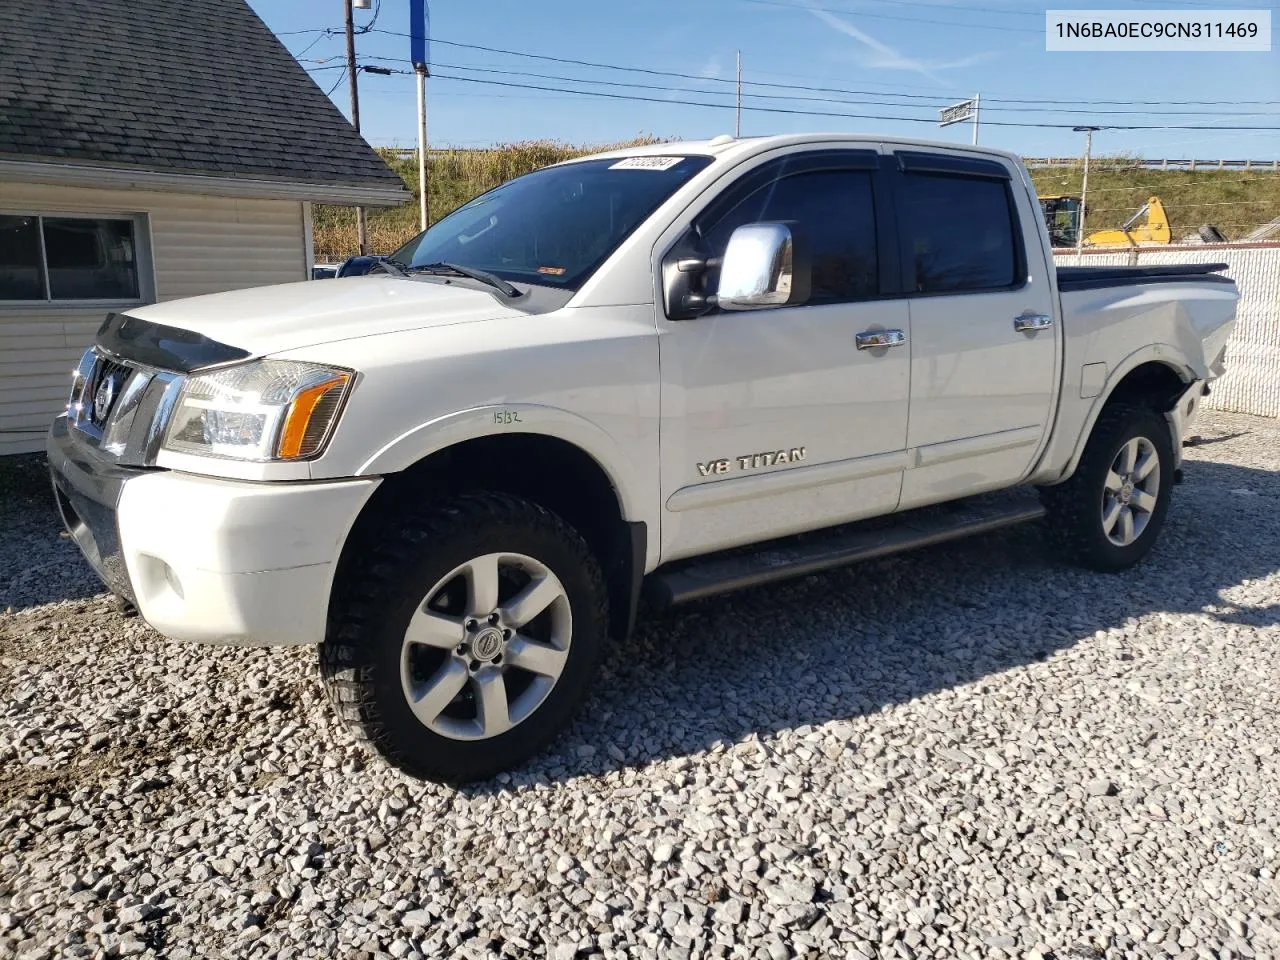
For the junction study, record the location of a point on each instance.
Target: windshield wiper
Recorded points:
(393, 267)
(506, 289)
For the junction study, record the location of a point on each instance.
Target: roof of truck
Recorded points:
(726, 146)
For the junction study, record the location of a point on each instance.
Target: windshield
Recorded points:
(553, 226)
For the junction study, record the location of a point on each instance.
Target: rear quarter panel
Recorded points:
(1182, 325)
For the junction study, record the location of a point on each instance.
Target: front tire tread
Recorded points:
(348, 658)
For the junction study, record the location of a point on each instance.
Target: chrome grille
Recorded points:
(120, 407)
(106, 386)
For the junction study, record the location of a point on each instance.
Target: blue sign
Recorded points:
(419, 32)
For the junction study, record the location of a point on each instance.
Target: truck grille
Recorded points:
(105, 387)
(119, 406)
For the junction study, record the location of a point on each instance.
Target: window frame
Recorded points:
(956, 167)
(141, 258)
(824, 160)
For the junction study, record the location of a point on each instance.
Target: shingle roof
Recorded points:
(174, 86)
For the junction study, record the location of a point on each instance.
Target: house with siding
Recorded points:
(150, 150)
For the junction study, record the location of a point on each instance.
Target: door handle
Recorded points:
(1032, 322)
(871, 339)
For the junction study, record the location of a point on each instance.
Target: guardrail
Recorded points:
(1139, 163)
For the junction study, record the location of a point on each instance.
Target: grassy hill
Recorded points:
(1235, 201)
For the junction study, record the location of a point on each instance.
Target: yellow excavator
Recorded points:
(1062, 214)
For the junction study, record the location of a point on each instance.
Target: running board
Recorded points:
(808, 553)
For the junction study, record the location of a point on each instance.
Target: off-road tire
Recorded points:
(360, 658)
(1074, 507)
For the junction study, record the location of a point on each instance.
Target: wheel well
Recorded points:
(548, 471)
(1153, 383)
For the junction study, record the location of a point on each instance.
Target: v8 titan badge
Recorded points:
(751, 461)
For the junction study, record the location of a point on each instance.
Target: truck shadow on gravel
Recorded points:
(847, 643)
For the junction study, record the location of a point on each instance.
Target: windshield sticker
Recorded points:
(646, 163)
(553, 271)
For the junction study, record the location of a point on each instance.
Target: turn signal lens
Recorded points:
(310, 415)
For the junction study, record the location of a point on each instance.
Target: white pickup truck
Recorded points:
(681, 369)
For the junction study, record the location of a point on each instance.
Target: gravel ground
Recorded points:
(970, 751)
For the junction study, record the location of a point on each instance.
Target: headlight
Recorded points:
(265, 410)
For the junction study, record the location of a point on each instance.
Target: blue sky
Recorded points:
(911, 55)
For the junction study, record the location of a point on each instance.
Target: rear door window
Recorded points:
(959, 233)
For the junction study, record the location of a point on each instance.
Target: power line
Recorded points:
(660, 87)
(298, 56)
(896, 84)
(329, 92)
(820, 113)
(931, 98)
(985, 100)
(794, 97)
(764, 109)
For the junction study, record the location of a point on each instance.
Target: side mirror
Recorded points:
(763, 266)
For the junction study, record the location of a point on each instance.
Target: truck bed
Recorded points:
(1092, 278)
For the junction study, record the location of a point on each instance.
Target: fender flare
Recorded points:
(1163, 353)
(491, 420)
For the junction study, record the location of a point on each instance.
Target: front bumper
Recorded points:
(208, 560)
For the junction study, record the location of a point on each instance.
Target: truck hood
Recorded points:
(267, 320)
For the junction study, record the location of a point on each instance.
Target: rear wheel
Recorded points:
(1108, 515)
(466, 637)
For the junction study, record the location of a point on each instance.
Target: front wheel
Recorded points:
(466, 637)
(1108, 514)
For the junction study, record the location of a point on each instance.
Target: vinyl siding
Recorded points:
(197, 245)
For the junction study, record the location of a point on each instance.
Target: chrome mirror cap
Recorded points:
(759, 269)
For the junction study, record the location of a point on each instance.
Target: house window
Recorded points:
(69, 258)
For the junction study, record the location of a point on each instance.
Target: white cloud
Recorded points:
(886, 57)
(711, 69)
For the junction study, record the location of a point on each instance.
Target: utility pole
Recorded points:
(362, 226)
(977, 105)
(737, 129)
(1084, 187)
(421, 70)
(419, 56)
